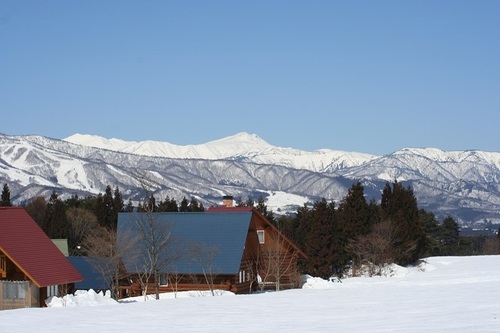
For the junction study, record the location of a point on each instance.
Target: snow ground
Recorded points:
(446, 294)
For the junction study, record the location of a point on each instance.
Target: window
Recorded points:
(163, 280)
(52, 291)
(242, 276)
(260, 234)
(14, 289)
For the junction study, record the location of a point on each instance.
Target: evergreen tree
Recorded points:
(249, 203)
(194, 206)
(73, 201)
(431, 228)
(151, 205)
(450, 236)
(262, 208)
(117, 203)
(172, 206)
(130, 206)
(287, 225)
(168, 205)
(319, 240)
(89, 203)
(184, 205)
(302, 225)
(5, 200)
(399, 205)
(56, 225)
(106, 209)
(355, 213)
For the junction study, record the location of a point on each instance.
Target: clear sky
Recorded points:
(365, 76)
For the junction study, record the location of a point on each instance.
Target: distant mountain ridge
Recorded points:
(463, 184)
(242, 146)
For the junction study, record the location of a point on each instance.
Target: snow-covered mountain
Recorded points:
(241, 147)
(464, 184)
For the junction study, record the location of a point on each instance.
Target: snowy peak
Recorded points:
(239, 144)
(242, 146)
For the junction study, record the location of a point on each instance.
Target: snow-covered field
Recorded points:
(446, 294)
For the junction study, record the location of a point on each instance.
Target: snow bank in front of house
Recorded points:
(311, 282)
(81, 298)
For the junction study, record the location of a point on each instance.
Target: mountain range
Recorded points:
(462, 184)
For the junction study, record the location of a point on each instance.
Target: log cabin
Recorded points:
(224, 248)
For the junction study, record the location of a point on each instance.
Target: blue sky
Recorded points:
(366, 76)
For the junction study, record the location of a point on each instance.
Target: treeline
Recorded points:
(353, 234)
(360, 233)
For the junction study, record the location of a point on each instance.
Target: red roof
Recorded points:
(29, 248)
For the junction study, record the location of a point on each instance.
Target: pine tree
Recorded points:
(354, 213)
(431, 228)
(194, 206)
(399, 205)
(5, 201)
(184, 205)
(302, 225)
(130, 206)
(262, 208)
(319, 240)
(172, 206)
(107, 208)
(450, 236)
(56, 225)
(117, 203)
(151, 204)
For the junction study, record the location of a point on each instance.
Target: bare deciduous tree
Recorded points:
(377, 249)
(156, 249)
(174, 278)
(156, 244)
(82, 223)
(492, 245)
(204, 255)
(276, 263)
(106, 252)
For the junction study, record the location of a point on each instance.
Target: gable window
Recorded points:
(261, 235)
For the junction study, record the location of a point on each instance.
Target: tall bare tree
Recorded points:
(276, 262)
(155, 244)
(106, 253)
(204, 256)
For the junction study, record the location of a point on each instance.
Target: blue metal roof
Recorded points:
(92, 279)
(226, 232)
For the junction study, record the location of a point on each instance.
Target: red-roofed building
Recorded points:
(32, 268)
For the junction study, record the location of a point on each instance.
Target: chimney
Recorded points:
(227, 201)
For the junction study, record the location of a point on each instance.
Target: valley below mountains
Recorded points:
(462, 184)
